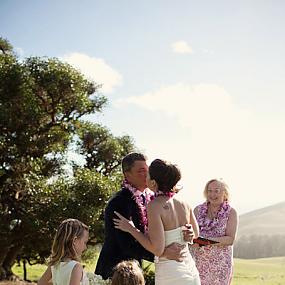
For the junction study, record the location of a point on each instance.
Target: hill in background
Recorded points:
(266, 221)
(261, 233)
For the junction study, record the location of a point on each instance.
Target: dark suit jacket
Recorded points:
(119, 245)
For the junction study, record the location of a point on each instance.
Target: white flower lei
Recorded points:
(95, 279)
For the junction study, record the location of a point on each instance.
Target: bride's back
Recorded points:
(162, 179)
(174, 212)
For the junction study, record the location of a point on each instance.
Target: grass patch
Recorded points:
(34, 272)
(269, 271)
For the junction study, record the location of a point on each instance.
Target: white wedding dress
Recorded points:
(170, 272)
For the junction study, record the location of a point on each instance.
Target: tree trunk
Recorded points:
(2, 273)
(11, 259)
(3, 254)
(25, 269)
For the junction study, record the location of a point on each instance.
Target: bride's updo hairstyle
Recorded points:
(165, 174)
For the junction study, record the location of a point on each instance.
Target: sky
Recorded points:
(198, 83)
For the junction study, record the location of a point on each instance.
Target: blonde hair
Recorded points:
(224, 187)
(128, 273)
(62, 246)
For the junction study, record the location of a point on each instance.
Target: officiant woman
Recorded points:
(217, 221)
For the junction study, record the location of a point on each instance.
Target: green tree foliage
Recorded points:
(5, 46)
(41, 103)
(83, 197)
(102, 150)
(149, 275)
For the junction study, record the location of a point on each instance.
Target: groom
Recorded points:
(130, 202)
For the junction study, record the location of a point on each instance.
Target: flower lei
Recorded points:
(208, 224)
(139, 202)
(97, 279)
(158, 193)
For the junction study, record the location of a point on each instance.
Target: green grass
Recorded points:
(34, 272)
(269, 271)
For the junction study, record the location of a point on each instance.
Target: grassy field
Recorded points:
(35, 271)
(269, 271)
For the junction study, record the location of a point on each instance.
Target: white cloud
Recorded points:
(96, 69)
(189, 104)
(181, 47)
(214, 137)
(207, 51)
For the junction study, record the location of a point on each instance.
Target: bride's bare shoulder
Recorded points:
(179, 199)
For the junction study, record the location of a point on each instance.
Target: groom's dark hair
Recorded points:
(129, 160)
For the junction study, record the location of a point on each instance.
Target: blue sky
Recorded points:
(200, 83)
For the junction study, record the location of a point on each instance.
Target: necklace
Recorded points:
(139, 202)
(205, 223)
(158, 193)
(213, 213)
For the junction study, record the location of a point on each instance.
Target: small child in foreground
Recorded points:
(128, 273)
(64, 267)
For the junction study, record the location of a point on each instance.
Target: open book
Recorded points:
(203, 241)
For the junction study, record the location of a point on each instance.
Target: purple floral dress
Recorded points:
(214, 263)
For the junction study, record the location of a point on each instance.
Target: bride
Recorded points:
(166, 217)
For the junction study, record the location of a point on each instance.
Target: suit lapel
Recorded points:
(134, 208)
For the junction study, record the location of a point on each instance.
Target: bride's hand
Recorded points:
(122, 223)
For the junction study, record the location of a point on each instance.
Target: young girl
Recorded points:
(64, 267)
(128, 273)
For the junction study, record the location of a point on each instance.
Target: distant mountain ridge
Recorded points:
(261, 233)
(265, 221)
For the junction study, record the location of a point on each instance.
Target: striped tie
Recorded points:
(143, 199)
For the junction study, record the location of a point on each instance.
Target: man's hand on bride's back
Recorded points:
(188, 233)
(175, 251)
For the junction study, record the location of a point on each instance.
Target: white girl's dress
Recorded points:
(171, 272)
(61, 273)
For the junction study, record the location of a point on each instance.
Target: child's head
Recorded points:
(128, 273)
(69, 241)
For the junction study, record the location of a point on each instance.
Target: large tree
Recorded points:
(41, 102)
(83, 195)
(102, 150)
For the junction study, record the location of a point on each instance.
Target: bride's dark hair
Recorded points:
(165, 174)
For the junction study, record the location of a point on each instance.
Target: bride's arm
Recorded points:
(155, 228)
(154, 241)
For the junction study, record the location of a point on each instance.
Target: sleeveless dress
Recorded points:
(61, 273)
(214, 263)
(171, 272)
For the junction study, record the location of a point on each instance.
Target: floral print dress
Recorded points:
(214, 263)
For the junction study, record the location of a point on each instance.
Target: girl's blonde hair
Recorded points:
(128, 273)
(223, 186)
(62, 246)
